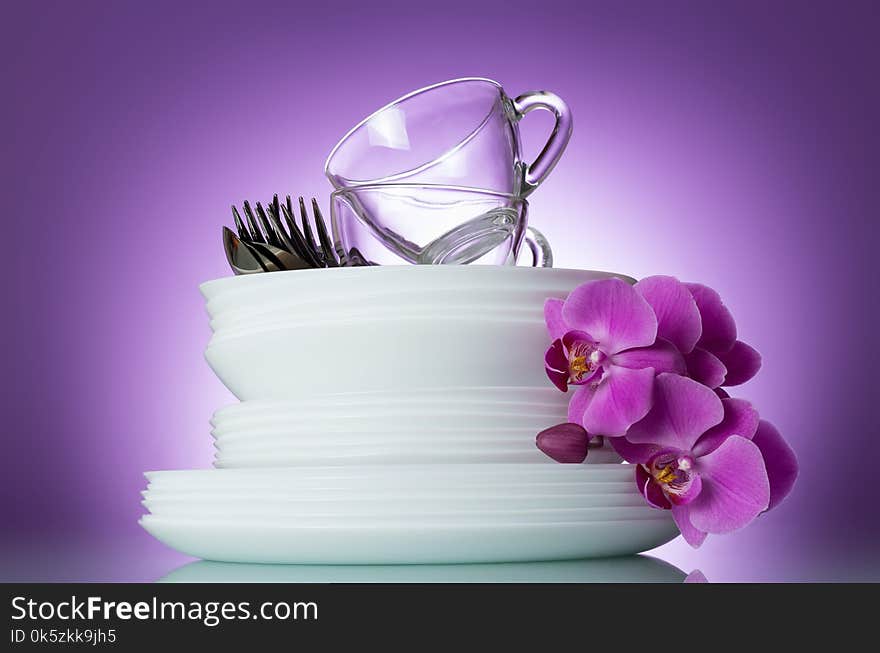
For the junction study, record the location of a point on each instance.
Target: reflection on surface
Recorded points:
(629, 569)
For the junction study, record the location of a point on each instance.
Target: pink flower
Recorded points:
(605, 342)
(693, 317)
(710, 460)
(649, 361)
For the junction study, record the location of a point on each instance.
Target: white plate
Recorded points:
(395, 502)
(420, 447)
(356, 443)
(263, 542)
(256, 445)
(255, 440)
(449, 426)
(253, 443)
(366, 517)
(352, 487)
(393, 456)
(352, 444)
(380, 417)
(327, 491)
(414, 423)
(399, 474)
(295, 459)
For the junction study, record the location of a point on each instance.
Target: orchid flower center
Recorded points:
(584, 358)
(675, 474)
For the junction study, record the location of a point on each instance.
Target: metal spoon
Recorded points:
(279, 259)
(242, 257)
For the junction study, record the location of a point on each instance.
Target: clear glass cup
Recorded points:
(432, 224)
(460, 132)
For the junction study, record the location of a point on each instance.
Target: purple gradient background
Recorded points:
(732, 145)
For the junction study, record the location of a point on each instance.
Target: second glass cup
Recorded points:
(432, 224)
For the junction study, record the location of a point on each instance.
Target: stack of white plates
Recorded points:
(388, 415)
(457, 425)
(404, 513)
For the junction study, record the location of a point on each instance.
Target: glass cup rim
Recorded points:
(470, 190)
(401, 100)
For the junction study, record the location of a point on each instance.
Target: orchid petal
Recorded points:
(780, 460)
(572, 337)
(553, 317)
(649, 489)
(622, 397)
(683, 410)
(719, 327)
(634, 453)
(578, 403)
(556, 365)
(705, 367)
(692, 535)
(740, 418)
(691, 491)
(742, 363)
(678, 318)
(735, 487)
(613, 313)
(662, 356)
(564, 443)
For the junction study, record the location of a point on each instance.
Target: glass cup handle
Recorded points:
(538, 170)
(542, 255)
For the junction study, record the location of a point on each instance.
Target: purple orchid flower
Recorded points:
(695, 455)
(605, 342)
(693, 317)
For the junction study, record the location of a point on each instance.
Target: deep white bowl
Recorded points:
(390, 355)
(380, 328)
(374, 285)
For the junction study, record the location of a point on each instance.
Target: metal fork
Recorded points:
(275, 226)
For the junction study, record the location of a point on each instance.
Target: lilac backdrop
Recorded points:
(736, 146)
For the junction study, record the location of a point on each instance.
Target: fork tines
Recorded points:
(276, 225)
